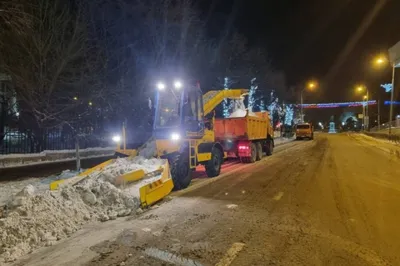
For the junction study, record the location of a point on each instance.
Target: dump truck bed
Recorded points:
(243, 128)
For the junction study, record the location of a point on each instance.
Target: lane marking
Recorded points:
(278, 196)
(170, 257)
(230, 255)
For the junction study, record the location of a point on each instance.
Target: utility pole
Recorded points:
(363, 120)
(379, 114)
(301, 106)
(366, 111)
(391, 100)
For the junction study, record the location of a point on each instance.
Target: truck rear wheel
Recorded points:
(259, 151)
(213, 166)
(270, 147)
(180, 171)
(253, 155)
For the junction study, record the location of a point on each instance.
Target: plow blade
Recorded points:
(149, 193)
(157, 190)
(74, 180)
(126, 153)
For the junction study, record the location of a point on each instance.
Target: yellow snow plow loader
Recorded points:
(183, 130)
(183, 135)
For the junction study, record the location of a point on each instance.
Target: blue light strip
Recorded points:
(394, 102)
(336, 105)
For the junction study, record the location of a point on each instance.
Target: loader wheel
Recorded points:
(259, 151)
(213, 166)
(180, 171)
(270, 147)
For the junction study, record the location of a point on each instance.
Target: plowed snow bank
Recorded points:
(35, 218)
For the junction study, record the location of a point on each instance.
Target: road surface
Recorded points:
(331, 201)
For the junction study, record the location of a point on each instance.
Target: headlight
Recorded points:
(178, 84)
(175, 136)
(160, 86)
(116, 138)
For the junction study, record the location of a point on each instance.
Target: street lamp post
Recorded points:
(391, 99)
(366, 111)
(311, 85)
(365, 105)
(301, 106)
(381, 61)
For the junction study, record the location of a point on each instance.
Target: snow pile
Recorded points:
(239, 109)
(125, 165)
(33, 219)
(9, 188)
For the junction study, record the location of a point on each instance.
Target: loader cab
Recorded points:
(179, 112)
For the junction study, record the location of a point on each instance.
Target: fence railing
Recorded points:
(385, 136)
(395, 124)
(27, 142)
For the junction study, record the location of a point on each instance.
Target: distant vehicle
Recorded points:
(305, 130)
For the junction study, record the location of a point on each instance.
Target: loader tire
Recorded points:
(259, 151)
(180, 171)
(213, 166)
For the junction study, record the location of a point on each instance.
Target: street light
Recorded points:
(362, 88)
(310, 86)
(380, 61)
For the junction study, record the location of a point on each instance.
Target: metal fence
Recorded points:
(395, 125)
(392, 137)
(27, 142)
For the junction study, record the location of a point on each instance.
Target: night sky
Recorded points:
(305, 38)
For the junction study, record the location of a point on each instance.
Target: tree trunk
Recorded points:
(78, 158)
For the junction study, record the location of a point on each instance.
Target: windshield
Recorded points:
(303, 126)
(168, 110)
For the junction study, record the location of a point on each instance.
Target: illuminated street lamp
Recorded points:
(311, 85)
(360, 89)
(379, 61)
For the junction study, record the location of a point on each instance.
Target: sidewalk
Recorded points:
(282, 140)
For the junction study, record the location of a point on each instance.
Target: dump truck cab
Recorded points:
(304, 130)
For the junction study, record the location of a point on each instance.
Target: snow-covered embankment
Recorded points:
(35, 217)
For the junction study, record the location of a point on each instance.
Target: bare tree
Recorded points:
(53, 63)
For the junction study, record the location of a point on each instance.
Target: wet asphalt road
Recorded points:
(331, 201)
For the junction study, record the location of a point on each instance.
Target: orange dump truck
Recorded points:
(246, 138)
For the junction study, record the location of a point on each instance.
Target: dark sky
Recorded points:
(305, 38)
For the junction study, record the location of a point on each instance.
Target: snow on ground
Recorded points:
(9, 188)
(381, 144)
(282, 140)
(378, 140)
(35, 216)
